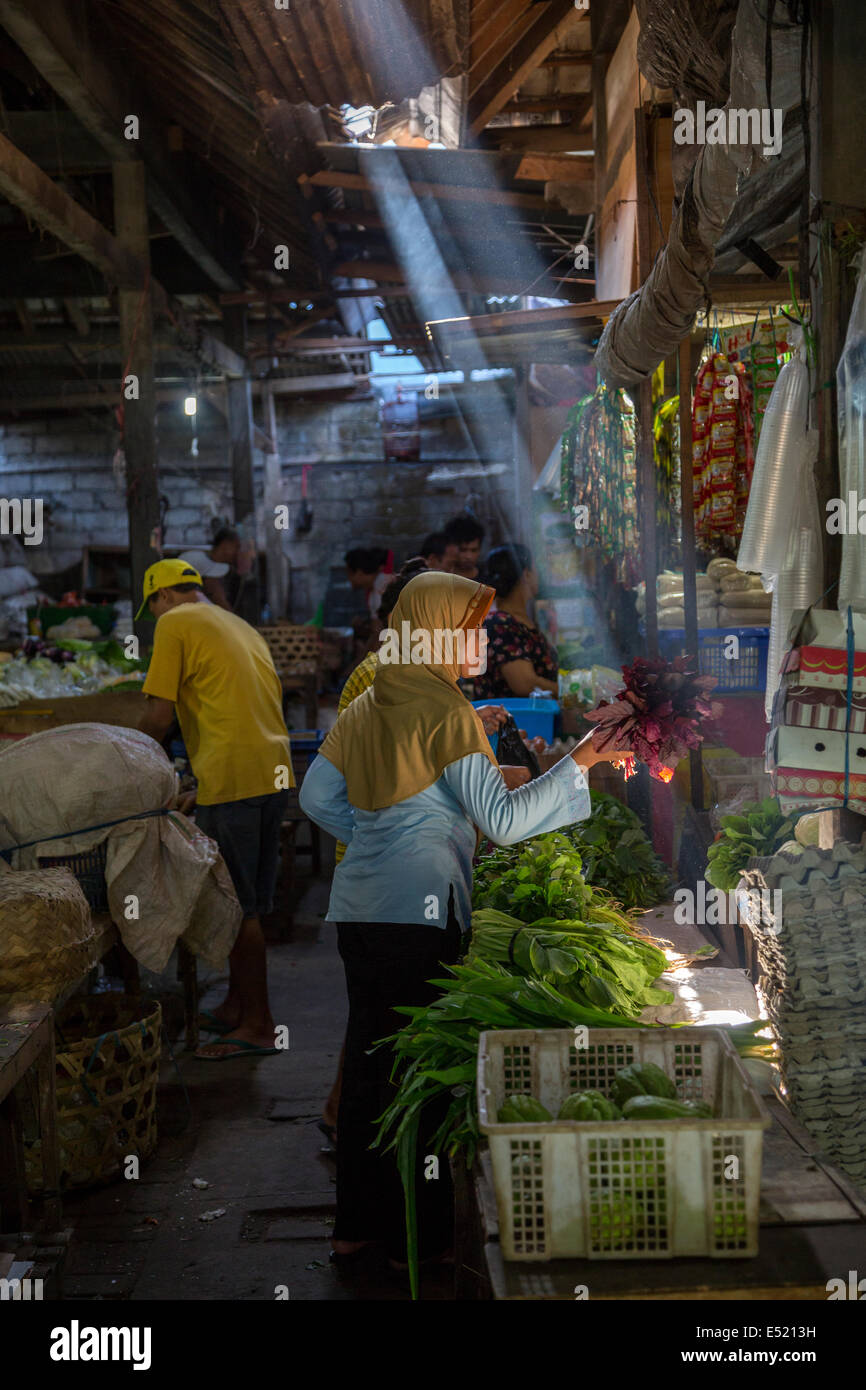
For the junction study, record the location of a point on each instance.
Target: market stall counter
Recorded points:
(27, 1041)
(120, 709)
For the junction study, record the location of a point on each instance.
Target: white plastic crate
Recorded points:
(623, 1189)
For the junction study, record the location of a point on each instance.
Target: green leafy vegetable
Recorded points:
(757, 832)
(607, 852)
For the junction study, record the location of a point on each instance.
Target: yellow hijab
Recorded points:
(394, 740)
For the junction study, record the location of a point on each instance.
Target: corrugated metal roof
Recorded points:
(332, 52)
(189, 68)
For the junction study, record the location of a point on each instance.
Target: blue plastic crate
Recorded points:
(734, 674)
(537, 715)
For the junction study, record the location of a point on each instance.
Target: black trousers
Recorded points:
(387, 964)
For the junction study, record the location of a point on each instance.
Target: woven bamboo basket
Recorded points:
(295, 650)
(47, 936)
(108, 1054)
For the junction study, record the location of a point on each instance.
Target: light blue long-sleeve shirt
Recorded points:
(401, 861)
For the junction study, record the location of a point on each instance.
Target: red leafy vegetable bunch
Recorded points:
(657, 716)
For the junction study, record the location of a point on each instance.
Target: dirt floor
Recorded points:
(246, 1127)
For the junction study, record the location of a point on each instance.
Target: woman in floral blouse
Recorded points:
(519, 658)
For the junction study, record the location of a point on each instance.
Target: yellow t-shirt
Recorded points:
(218, 672)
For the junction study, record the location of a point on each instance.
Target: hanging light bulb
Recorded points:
(190, 405)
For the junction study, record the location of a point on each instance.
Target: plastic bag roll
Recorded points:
(800, 583)
(772, 496)
(851, 398)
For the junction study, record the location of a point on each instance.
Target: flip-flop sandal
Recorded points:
(241, 1049)
(211, 1024)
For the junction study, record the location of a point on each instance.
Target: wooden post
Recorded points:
(687, 508)
(647, 520)
(522, 464)
(836, 181)
(239, 404)
(274, 496)
(46, 1069)
(139, 398)
(645, 458)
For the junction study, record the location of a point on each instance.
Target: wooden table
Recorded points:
(813, 1228)
(27, 1040)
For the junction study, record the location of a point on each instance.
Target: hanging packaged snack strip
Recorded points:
(599, 475)
(722, 452)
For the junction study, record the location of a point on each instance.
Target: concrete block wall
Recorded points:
(356, 496)
(68, 463)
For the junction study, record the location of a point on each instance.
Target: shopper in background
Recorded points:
(407, 778)
(218, 567)
(519, 657)
(439, 552)
(217, 673)
(370, 569)
(468, 535)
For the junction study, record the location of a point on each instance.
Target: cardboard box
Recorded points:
(815, 707)
(821, 656)
(808, 768)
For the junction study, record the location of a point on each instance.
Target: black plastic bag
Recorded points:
(513, 752)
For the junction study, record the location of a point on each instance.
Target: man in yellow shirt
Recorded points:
(216, 673)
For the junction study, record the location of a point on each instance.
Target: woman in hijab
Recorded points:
(407, 779)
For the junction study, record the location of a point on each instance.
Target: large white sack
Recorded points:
(60, 787)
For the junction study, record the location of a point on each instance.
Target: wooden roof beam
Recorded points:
(533, 48)
(578, 103)
(561, 168)
(464, 282)
(89, 88)
(31, 190)
(331, 178)
(568, 60)
(572, 137)
(492, 42)
(28, 188)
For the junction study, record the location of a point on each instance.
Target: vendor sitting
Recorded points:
(519, 658)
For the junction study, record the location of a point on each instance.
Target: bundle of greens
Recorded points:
(758, 831)
(617, 855)
(538, 878)
(588, 962)
(550, 873)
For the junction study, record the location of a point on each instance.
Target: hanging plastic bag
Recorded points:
(851, 415)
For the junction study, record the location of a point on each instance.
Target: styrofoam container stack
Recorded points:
(622, 1189)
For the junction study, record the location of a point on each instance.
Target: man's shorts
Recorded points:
(248, 835)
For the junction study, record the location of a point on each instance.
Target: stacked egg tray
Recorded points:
(813, 978)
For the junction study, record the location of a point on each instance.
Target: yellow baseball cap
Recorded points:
(163, 575)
